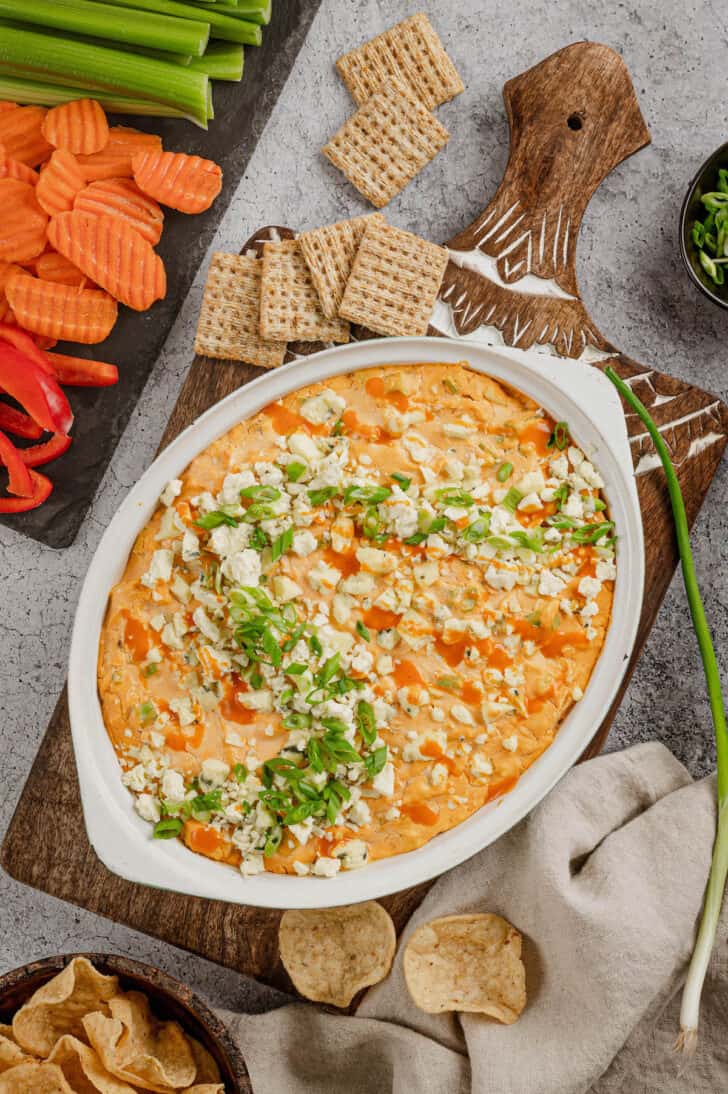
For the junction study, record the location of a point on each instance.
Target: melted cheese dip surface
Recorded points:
(358, 616)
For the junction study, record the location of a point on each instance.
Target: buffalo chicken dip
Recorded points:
(358, 616)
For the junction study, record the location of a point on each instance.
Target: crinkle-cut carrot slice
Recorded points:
(123, 198)
(113, 255)
(189, 184)
(6, 105)
(114, 159)
(22, 137)
(54, 267)
(22, 222)
(14, 169)
(6, 270)
(79, 127)
(60, 311)
(60, 180)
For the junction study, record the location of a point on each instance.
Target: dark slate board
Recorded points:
(242, 111)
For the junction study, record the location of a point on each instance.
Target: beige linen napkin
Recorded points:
(605, 881)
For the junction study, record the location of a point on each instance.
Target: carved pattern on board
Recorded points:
(512, 274)
(473, 302)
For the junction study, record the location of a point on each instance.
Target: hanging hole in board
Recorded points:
(575, 122)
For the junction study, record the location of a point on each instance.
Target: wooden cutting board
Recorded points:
(572, 118)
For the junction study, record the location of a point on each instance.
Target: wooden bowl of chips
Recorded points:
(168, 999)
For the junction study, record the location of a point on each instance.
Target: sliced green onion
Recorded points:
(273, 841)
(714, 201)
(371, 525)
(367, 495)
(321, 496)
(208, 521)
(221, 61)
(27, 53)
(281, 544)
(452, 496)
(363, 631)
(404, 480)
(100, 20)
(221, 26)
(167, 828)
(477, 530)
(366, 722)
(689, 1012)
(712, 268)
(512, 499)
(147, 712)
(295, 470)
(504, 472)
(375, 761)
(560, 437)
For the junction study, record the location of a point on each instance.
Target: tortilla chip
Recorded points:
(207, 1069)
(136, 1047)
(58, 1007)
(332, 953)
(83, 1069)
(467, 963)
(205, 1088)
(34, 1078)
(386, 143)
(394, 281)
(11, 1053)
(411, 51)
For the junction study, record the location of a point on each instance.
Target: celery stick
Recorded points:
(225, 27)
(34, 93)
(158, 54)
(256, 11)
(222, 61)
(63, 61)
(106, 21)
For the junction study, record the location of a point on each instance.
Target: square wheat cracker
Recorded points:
(386, 143)
(394, 281)
(229, 317)
(329, 254)
(411, 51)
(289, 303)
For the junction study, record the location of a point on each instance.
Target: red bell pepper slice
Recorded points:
(22, 341)
(39, 454)
(34, 389)
(42, 488)
(19, 481)
(22, 425)
(78, 372)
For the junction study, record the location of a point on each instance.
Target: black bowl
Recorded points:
(692, 207)
(169, 1000)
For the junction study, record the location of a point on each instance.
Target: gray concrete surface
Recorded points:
(633, 283)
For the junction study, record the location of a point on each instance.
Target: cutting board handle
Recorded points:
(572, 118)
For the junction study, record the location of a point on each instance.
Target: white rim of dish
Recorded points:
(123, 841)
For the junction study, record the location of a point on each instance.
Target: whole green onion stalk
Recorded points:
(689, 1012)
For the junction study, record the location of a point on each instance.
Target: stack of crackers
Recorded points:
(396, 80)
(362, 270)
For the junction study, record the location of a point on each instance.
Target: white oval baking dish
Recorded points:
(569, 391)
